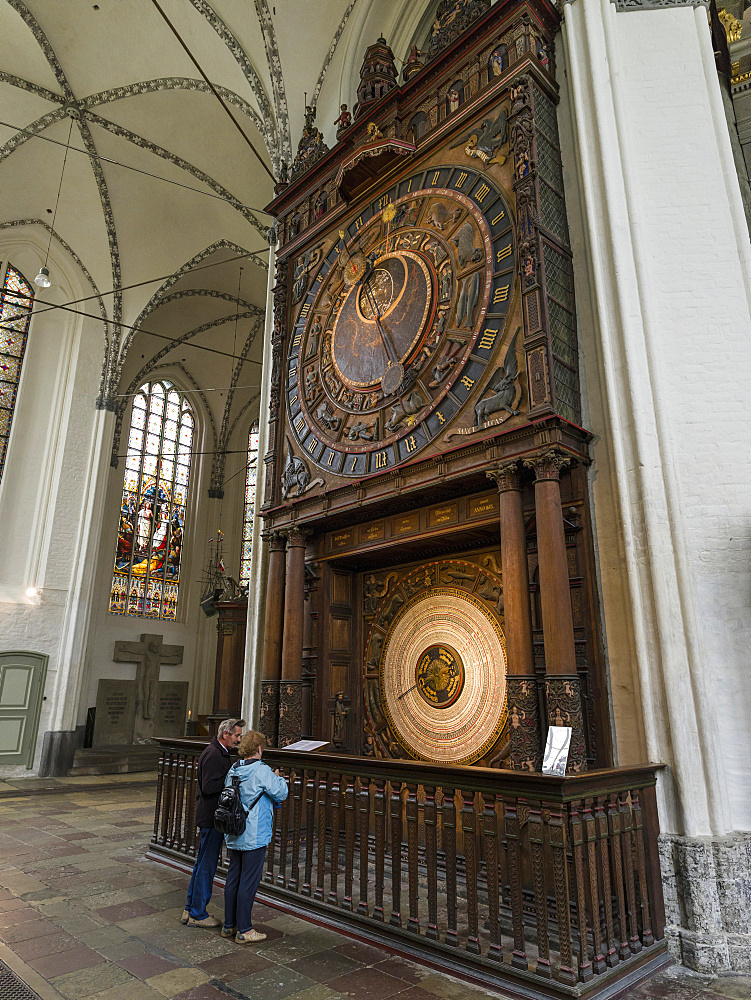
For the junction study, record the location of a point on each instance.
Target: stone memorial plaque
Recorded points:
(172, 709)
(115, 712)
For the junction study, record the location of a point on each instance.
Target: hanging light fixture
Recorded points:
(43, 278)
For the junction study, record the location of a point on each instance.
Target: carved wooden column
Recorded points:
(562, 687)
(230, 658)
(272, 640)
(524, 715)
(277, 342)
(290, 693)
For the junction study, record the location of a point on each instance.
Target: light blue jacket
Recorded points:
(256, 776)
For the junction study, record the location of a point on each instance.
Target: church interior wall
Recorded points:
(192, 629)
(661, 255)
(40, 504)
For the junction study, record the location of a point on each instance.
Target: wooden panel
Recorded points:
(340, 588)
(372, 532)
(341, 636)
(405, 525)
(446, 514)
(482, 506)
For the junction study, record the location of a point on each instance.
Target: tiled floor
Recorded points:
(83, 914)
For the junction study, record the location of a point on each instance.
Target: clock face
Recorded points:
(397, 323)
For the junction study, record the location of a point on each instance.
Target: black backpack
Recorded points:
(230, 817)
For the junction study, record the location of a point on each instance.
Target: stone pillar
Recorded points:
(562, 687)
(259, 549)
(670, 489)
(272, 640)
(524, 716)
(290, 693)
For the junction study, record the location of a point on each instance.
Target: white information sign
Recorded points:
(307, 745)
(556, 750)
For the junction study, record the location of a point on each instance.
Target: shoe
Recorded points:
(250, 937)
(228, 932)
(185, 917)
(206, 922)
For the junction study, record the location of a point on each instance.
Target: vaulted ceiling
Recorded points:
(160, 211)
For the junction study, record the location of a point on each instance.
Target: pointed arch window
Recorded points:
(250, 505)
(16, 300)
(146, 577)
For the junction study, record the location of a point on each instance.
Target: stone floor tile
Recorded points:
(88, 982)
(124, 949)
(50, 944)
(410, 972)
(12, 918)
(453, 989)
(235, 965)
(323, 966)
(205, 992)
(367, 984)
(275, 983)
(125, 911)
(358, 951)
(63, 962)
(318, 992)
(289, 947)
(176, 981)
(7, 905)
(193, 950)
(103, 937)
(286, 923)
(134, 990)
(145, 965)
(29, 929)
(732, 987)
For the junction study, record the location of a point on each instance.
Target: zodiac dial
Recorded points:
(398, 324)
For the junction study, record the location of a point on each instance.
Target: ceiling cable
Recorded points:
(127, 326)
(213, 89)
(128, 166)
(151, 281)
(221, 388)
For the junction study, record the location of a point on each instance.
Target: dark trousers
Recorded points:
(204, 870)
(243, 879)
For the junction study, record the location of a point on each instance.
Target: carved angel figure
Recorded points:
(484, 140)
(501, 387)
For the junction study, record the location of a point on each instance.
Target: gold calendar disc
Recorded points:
(443, 677)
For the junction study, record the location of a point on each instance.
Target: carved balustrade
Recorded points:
(522, 879)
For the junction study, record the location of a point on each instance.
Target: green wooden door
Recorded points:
(21, 686)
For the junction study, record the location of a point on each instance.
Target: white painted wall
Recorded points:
(663, 279)
(59, 505)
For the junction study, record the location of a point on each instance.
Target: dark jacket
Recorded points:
(213, 765)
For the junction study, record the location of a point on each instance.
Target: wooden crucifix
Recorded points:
(150, 655)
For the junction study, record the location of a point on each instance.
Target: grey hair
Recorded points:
(228, 725)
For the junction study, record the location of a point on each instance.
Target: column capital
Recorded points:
(276, 540)
(507, 476)
(547, 464)
(296, 536)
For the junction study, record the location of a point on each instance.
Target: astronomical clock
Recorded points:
(424, 339)
(404, 313)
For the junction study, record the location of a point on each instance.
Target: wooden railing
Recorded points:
(525, 879)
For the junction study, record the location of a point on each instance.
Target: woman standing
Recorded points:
(261, 790)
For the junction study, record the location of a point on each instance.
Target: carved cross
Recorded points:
(150, 655)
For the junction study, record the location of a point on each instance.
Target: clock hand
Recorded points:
(387, 345)
(405, 693)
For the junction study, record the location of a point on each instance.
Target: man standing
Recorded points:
(213, 765)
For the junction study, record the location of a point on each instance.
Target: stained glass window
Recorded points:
(15, 312)
(152, 513)
(250, 506)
